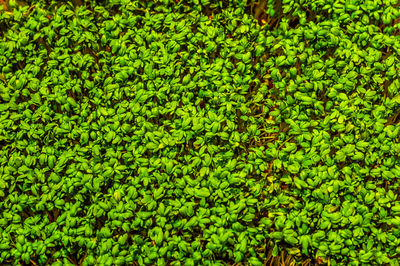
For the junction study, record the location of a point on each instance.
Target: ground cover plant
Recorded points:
(199, 132)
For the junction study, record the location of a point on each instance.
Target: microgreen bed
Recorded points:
(199, 132)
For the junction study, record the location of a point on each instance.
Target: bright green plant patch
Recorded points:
(199, 132)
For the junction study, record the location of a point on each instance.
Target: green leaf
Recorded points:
(158, 193)
(202, 193)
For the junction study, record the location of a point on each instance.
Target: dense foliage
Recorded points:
(201, 132)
